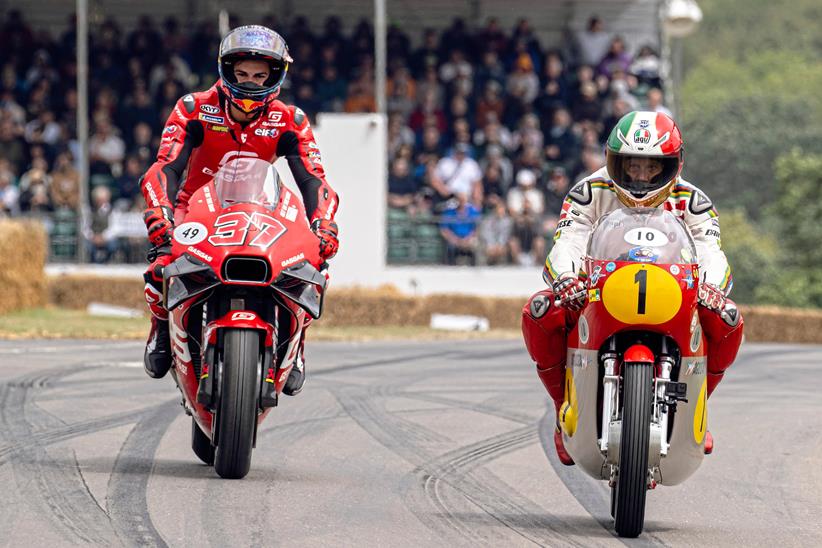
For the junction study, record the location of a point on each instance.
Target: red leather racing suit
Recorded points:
(200, 136)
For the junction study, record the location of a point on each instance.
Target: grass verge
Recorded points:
(61, 323)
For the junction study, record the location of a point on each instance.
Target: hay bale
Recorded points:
(77, 291)
(775, 324)
(23, 246)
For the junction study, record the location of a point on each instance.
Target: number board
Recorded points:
(642, 294)
(190, 233)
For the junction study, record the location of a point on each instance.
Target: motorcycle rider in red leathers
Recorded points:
(237, 117)
(644, 160)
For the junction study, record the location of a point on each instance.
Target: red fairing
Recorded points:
(240, 319)
(200, 136)
(639, 353)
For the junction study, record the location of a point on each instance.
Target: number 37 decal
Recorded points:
(234, 228)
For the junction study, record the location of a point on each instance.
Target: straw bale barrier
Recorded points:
(387, 306)
(22, 279)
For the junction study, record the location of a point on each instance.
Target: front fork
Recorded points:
(666, 395)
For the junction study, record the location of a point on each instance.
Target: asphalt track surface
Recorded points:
(409, 444)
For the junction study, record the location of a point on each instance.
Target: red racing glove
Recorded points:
(327, 232)
(710, 296)
(160, 224)
(570, 291)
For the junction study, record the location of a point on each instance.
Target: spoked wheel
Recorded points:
(631, 488)
(201, 444)
(237, 410)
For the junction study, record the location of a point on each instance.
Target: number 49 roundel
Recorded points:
(233, 229)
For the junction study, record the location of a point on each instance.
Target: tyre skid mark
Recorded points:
(55, 486)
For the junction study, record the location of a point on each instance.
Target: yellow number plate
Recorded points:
(642, 294)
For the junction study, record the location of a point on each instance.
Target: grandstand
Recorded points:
(493, 109)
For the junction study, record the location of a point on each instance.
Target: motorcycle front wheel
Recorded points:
(237, 409)
(632, 481)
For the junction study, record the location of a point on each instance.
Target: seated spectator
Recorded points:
(490, 104)
(29, 182)
(12, 146)
(587, 106)
(495, 156)
(431, 144)
(491, 70)
(557, 189)
(525, 195)
(100, 242)
(646, 66)
(401, 92)
(427, 56)
(616, 59)
(523, 83)
(495, 234)
(555, 92)
(402, 185)
(460, 174)
(561, 144)
(9, 195)
(43, 130)
(428, 107)
(529, 133)
(106, 149)
(430, 84)
(331, 88)
(65, 183)
(494, 187)
(399, 134)
(494, 134)
(459, 230)
(531, 159)
(128, 184)
(456, 66)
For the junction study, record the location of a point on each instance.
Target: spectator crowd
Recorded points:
(486, 128)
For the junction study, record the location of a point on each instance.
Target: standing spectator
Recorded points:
(402, 186)
(593, 42)
(430, 85)
(399, 134)
(557, 190)
(65, 183)
(654, 98)
(427, 56)
(34, 177)
(588, 105)
(461, 174)
(9, 195)
(523, 83)
(495, 234)
(361, 96)
(528, 243)
(616, 58)
(491, 70)
(455, 67)
(528, 134)
(331, 88)
(491, 102)
(459, 230)
(101, 244)
(401, 91)
(427, 107)
(494, 187)
(142, 145)
(128, 184)
(562, 145)
(646, 66)
(492, 37)
(12, 147)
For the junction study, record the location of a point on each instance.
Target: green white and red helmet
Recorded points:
(642, 134)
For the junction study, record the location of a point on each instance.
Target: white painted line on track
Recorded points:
(54, 349)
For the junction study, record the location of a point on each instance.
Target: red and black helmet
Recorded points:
(258, 43)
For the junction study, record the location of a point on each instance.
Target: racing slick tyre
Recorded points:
(632, 481)
(237, 408)
(201, 444)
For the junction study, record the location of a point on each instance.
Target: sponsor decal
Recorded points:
(243, 137)
(275, 116)
(292, 260)
(674, 270)
(167, 139)
(594, 295)
(215, 127)
(210, 109)
(265, 123)
(286, 200)
(190, 233)
(212, 119)
(209, 199)
(696, 339)
(243, 316)
(564, 223)
(201, 254)
(642, 136)
(644, 124)
(266, 132)
(712, 232)
(610, 267)
(169, 129)
(207, 171)
(596, 275)
(313, 145)
(695, 368)
(582, 326)
(315, 156)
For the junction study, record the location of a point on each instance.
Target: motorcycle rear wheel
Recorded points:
(632, 481)
(237, 410)
(201, 444)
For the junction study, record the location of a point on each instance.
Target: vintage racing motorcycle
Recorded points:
(635, 410)
(245, 274)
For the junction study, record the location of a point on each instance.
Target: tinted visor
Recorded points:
(638, 185)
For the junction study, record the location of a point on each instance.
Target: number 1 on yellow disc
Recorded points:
(642, 294)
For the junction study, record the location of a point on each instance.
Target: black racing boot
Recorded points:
(157, 359)
(296, 378)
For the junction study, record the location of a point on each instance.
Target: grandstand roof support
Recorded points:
(379, 54)
(82, 124)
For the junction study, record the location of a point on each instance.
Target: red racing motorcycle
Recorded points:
(246, 275)
(635, 409)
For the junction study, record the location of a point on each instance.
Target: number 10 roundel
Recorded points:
(233, 229)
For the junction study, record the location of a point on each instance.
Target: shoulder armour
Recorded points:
(699, 203)
(189, 103)
(581, 192)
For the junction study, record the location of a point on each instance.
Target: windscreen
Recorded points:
(248, 180)
(646, 235)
